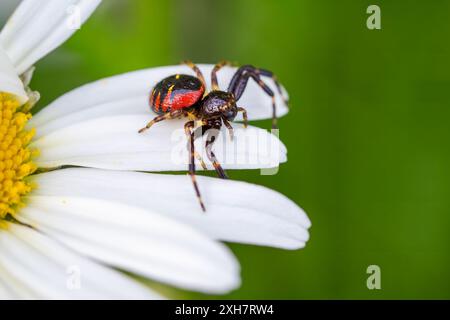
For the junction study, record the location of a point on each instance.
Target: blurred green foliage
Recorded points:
(367, 133)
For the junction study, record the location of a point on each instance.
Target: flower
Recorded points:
(95, 126)
(64, 233)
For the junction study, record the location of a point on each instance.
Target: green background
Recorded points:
(368, 132)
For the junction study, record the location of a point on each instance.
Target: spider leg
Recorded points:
(261, 72)
(244, 115)
(239, 82)
(210, 139)
(237, 75)
(229, 127)
(197, 71)
(190, 136)
(270, 74)
(217, 67)
(196, 154)
(200, 159)
(169, 115)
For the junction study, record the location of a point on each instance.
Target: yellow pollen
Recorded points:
(15, 156)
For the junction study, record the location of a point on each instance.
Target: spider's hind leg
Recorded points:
(166, 116)
(197, 71)
(217, 67)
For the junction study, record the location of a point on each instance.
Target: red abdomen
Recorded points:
(176, 92)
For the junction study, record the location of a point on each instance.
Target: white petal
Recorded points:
(6, 293)
(35, 266)
(128, 93)
(236, 211)
(9, 81)
(135, 240)
(38, 27)
(114, 143)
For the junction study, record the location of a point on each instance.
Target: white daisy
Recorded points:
(64, 233)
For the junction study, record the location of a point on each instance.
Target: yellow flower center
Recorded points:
(15, 157)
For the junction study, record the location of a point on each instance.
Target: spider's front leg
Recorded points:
(270, 74)
(229, 127)
(191, 148)
(211, 135)
(239, 82)
(198, 133)
(244, 116)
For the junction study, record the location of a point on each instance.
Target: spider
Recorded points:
(183, 95)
